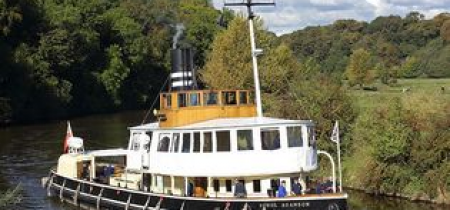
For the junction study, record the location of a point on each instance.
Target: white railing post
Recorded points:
(332, 166)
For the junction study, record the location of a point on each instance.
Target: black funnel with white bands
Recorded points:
(183, 72)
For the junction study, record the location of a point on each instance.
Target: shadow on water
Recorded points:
(28, 152)
(362, 201)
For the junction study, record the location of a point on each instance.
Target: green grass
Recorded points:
(368, 99)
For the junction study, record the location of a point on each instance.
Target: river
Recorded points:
(28, 152)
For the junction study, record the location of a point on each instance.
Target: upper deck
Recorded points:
(186, 107)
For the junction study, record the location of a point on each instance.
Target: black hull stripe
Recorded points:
(115, 197)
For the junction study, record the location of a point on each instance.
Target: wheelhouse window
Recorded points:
(210, 98)
(182, 100)
(295, 136)
(194, 99)
(270, 139)
(164, 141)
(207, 142)
(196, 142)
(229, 98)
(245, 140)
(175, 142)
(311, 137)
(251, 97)
(243, 98)
(186, 147)
(223, 141)
(167, 98)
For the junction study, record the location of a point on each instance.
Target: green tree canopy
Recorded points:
(359, 70)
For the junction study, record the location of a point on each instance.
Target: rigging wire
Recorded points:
(154, 101)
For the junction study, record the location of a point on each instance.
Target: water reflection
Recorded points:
(28, 152)
(362, 201)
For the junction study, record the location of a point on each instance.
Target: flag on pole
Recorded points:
(68, 135)
(335, 134)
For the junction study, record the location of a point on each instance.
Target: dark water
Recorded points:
(28, 152)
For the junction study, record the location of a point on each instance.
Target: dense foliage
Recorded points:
(70, 57)
(405, 144)
(394, 44)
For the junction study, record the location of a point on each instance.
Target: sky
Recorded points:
(291, 15)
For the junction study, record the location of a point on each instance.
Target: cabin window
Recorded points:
(186, 143)
(135, 143)
(167, 100)
(194, 99)
(294, 136)
(196, 141)
(228, 185)
(216, 185)
(270, 139)
(245, 139)
(207, 142)
(257, 185)
(229, 98)
(243, 99)
(311, 137)
(164, 142)
(175, 142)
(182, 100)
(223, 141)
(147, 146)
(210, 98)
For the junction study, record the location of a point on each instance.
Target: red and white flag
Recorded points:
(68, 135)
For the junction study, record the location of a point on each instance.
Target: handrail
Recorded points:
(102, 187)
(332, 167)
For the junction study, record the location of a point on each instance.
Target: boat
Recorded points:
(204, 146)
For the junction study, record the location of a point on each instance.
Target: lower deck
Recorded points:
(100, 196)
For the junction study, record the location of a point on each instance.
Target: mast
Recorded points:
(255, 52)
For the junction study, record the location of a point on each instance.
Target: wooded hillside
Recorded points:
(61, 58)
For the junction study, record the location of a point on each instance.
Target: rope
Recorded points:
(154, 101)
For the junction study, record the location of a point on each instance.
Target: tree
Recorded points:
(229, 64)
(445, 31)
(201, 26)
(359, 70)
(410, 68)
(9, 15)
(115, 73)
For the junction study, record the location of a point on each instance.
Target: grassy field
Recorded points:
(366, 99)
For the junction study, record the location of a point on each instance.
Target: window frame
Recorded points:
(161, 137)
(175, 148)
(211, 148)
(273, 143)
(294, 143)
(217, 140)
(189, 141)
(190, 104)
(207, 96)
(252, 144)
(194, 140)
